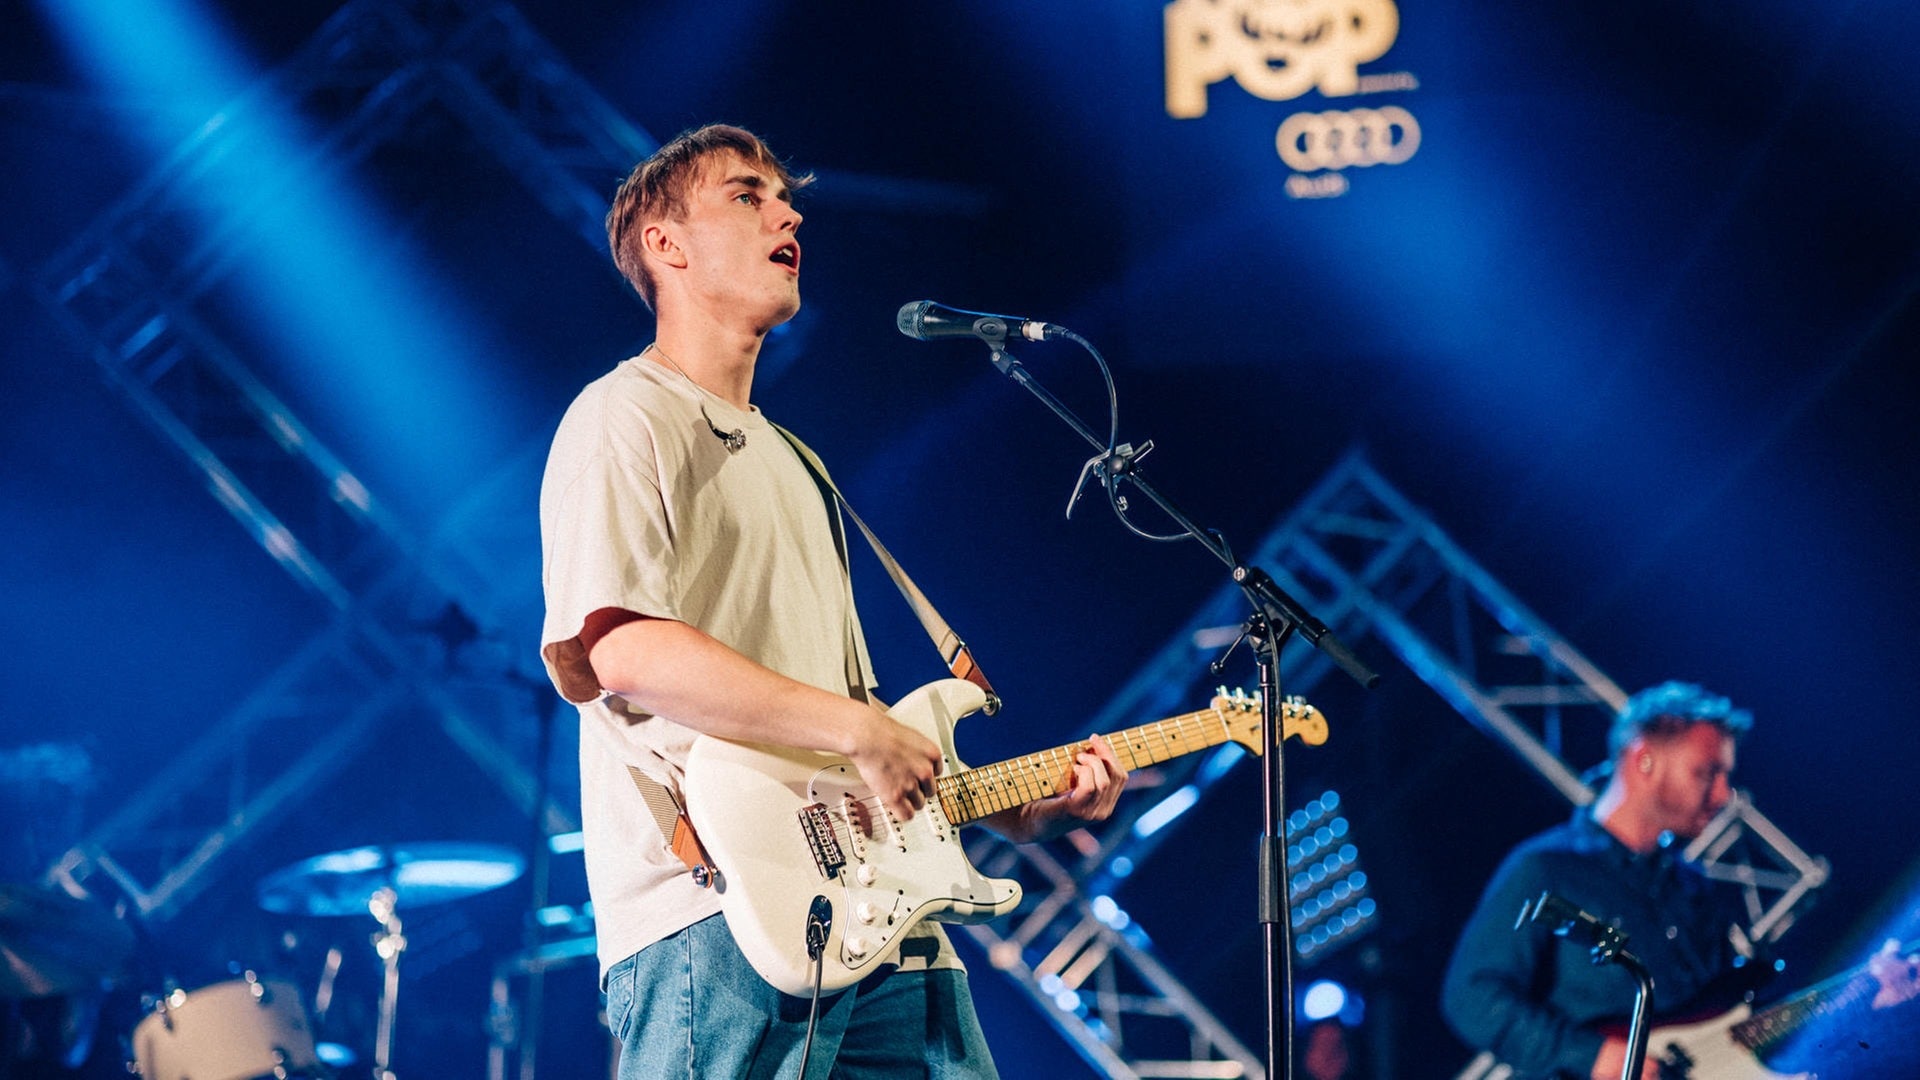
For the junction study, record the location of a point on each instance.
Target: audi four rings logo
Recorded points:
(1311, 141)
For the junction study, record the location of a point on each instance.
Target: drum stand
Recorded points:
(388, 944)
(381, 880)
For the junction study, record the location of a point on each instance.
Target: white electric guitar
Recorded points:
(1729, 1046)
(799, 839)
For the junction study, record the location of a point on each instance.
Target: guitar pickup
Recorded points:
(859, 825)
(816, 824)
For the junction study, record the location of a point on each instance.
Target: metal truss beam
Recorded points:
(1096, 977)
(1367, 561)
(125, 290)
(1504, 669)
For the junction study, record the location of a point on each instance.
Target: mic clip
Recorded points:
(1605, 940)
(1110, 466)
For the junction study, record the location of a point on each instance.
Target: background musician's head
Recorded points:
(1673, 758)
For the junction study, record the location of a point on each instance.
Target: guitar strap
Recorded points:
(662, 804)
(953, 651)
(674, 826)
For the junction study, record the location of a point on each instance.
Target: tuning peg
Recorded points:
(1236, 698)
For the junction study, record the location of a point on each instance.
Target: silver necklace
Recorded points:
(735, 440)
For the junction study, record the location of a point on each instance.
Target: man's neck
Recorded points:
(719, 361)
(1617, 812)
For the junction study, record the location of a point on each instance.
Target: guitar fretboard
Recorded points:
(1766, 1029)
(989, 789)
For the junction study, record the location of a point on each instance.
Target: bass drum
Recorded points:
(234, 1030)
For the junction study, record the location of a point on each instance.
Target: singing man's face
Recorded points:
(739, 239)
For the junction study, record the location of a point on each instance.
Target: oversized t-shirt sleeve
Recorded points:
(607, 543)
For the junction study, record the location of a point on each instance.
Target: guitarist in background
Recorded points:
(1541, 1005)
(694, 585)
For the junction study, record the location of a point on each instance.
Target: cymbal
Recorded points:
(344, 882)
(52, 943)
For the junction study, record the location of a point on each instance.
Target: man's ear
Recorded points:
(1638, 757)
(659, 241)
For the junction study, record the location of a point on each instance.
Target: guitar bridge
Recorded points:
(816, 823)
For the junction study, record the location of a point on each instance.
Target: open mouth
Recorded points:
(787, 255)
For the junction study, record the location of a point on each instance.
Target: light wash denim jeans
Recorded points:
(691, 1006)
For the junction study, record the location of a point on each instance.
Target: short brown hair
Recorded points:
(1663, 711)
(659, 186)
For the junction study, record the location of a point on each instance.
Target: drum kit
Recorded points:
(55, 946)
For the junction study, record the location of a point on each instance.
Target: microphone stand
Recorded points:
(1276, 616)
(1606, 944)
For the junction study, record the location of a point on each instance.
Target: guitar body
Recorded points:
(1723, 1047)
(797, 837)
(785, 827)
(1708, 1051)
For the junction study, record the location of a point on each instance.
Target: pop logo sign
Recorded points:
(1278, 50)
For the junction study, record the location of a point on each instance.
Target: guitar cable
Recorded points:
(819, 921)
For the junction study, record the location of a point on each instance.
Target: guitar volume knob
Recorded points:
(866, 911)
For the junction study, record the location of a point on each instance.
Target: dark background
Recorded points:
(1637, 325)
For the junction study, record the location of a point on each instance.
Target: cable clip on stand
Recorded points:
(1109, 466)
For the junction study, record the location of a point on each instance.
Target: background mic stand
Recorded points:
(1608, 945)
(1276, 616)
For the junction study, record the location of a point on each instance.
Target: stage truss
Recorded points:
(1358, 553)
(1372, 565)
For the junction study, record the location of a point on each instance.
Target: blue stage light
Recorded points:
(1163, 814)
(1322, 1000)
(335, 305)
(1327, 890)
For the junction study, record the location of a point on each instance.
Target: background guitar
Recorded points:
(1731, 1045)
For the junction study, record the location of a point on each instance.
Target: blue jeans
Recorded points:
(691, 1006)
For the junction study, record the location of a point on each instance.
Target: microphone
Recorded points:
(928, 321)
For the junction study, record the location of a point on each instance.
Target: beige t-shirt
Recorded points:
(643, 508)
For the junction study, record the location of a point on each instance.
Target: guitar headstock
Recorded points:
(1298, 719)
(1241, 713)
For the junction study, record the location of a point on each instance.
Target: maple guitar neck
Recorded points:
(1769, 1027)
(976, 793)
